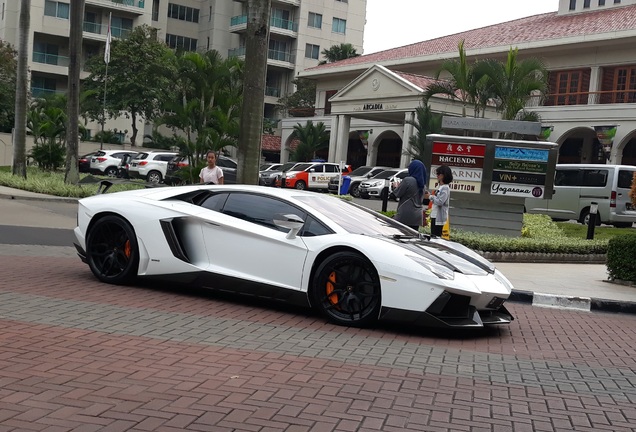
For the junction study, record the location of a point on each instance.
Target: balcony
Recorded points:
(50, 59)
(238, 24)
(133, 6)
(92, 27)
(289, 2)
(583, 98)
(39, 92)
(272, 91)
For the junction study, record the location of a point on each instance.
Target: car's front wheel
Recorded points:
(112, 251)
(346, 290)
(354, 190)
(154, 177)
(111, 172)
(300, 185)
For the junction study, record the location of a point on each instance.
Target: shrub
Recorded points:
(620, 258)
(48, 155)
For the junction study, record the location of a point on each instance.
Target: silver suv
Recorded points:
(357, 176)
(107, 162)
(150, 166)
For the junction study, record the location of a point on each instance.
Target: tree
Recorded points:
(465, 83)
(301, 100)
(46, 121)
(71, 172)
(338, 52)
(19, 144)
(8, 66)
(256, 49)
(426, 122)
(513, 82)
(311, 138)
(138, 84)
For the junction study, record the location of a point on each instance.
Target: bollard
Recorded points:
(591, 223)
(385, 195)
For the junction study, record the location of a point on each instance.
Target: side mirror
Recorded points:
(291, 222)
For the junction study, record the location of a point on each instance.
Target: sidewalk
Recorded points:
(580, 286)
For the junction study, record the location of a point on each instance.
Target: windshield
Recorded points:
(355, 219)
(385, 174)
(360, 171)
(287, 166)
(303, 167)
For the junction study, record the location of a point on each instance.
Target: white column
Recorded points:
(408, 133)
(333, 138)
(344, 124)
(595, 85)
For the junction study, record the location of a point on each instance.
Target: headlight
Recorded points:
(376, 183)
(291, 176)
(503, 280)
(438, 270)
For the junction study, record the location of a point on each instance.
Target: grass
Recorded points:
(577, 230)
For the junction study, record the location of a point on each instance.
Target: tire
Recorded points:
(112, 251)
(300, 185)
(354, 190)
(585, 217)
(111, 172)
(346, 290)
(623, 225)
(154, 177)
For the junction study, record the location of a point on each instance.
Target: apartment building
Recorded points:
(587, 45)
(299, 31)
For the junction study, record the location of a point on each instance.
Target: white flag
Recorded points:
(108, 39)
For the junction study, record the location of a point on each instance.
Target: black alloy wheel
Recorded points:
(112, 250)
(354, 190)
(346, 290)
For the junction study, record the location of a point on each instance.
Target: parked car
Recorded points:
(577, 186)
(150, 166)
(269, 178)
(312, 175)
(351, 264)
(395, 180)
(356, 177)
(84, 162)
(377, 186)
(173, 177)
(107, 162)
(269, 167)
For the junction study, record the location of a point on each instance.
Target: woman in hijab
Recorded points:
(411, 193)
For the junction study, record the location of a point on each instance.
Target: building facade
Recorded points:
(299, 31)
(587, 46)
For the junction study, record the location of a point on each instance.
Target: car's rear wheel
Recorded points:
(111, 172)
(154, 177)
(354, 190)
(585, 217)
(300, 185)
(346, 290)
(112, 251)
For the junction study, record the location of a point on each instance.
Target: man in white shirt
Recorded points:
(211, 173)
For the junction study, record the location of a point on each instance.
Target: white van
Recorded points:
(576, 186)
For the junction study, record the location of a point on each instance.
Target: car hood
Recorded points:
(452, 255)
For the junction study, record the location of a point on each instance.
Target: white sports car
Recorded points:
(352, 264)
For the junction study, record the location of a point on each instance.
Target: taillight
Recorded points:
(613, 200)
(101, 159)
(182, 164)
(142, 163)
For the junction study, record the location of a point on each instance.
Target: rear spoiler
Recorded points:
(105, 184)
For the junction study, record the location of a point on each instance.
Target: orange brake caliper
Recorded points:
(127, 249)
(333, 298)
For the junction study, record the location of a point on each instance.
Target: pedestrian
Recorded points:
(410, 192)
(440, 200)
(211, 174)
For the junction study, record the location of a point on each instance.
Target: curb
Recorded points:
(38, 198)
(589, 304)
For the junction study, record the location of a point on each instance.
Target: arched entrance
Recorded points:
(629, 152)
(580, 145)
(388, 149)
(356, 151)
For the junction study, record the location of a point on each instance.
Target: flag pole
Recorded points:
(106, 60)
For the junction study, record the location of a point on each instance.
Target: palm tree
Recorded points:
(252, 111)
(427, 122)
(513, 82)
(338, 52)
(311, 138)
(465, 83)
(19, 150)
(71, 173)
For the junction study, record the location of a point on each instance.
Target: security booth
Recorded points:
(492, 177)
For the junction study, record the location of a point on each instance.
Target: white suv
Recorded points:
(106, 162)
(150, 166)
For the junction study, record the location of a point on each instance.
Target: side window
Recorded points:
(566, 178)
(166, 158)
(625, 179)
(594, 178)
(332, 168)
(214, 202)
(313, 228)
(258, 209)
(317, 168)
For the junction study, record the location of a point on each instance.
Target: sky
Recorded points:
(394, 23)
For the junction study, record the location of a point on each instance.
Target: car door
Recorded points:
(244, 243)
(564, 203)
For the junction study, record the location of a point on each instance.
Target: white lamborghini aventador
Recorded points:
(352, 264)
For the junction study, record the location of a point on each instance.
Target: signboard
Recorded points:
(511, 165)
(466, 161)
(460, 161)
(458, 185)
(520, 127)
(517, 177)
(517, 190)
(524, 154)
(459, 149)
(461, 173)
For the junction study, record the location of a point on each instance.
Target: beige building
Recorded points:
(587, 45)
(300, 30)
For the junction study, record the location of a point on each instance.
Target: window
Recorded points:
(183, 13)
(121, 27)
(569, 85)
(312, 51)
(56, 9)
(572, 4)
(617, 1)
(315, 20)
(625, 79)
(586, 4)
(594, 178)
(155, 10)
(339, 25)
(343, 1)
(566, 178)
(601, 2)
(181, 42)
(258, 209)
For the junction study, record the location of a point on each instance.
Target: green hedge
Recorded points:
(621, 258)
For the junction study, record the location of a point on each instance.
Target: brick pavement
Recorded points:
(76, 354)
